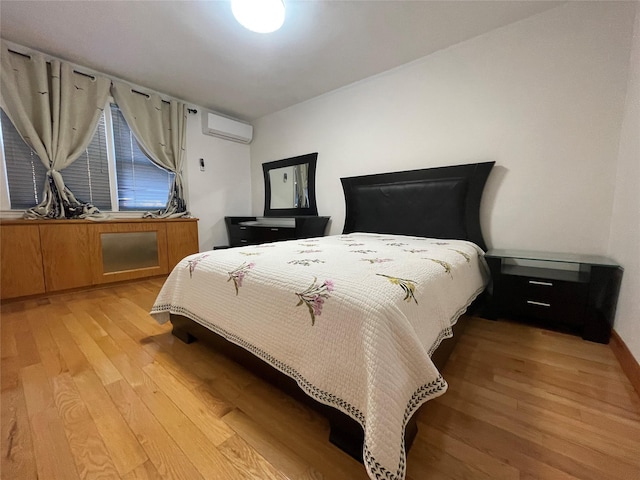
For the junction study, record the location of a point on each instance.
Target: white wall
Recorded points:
(624, 244)
(543, 97)
(223, 189)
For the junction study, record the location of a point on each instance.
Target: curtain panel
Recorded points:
(160, 128)
(56, 111)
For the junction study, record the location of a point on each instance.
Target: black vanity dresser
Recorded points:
(577, 293)
(290, 209)
(255, 230)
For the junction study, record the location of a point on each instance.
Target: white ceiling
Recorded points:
(195, 51)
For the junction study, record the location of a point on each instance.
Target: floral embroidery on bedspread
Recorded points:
(193, 263)
(443, 264)
(465, 255)
(408, 286)
(238, 275)
(305, 261)
(314, 297)
(377, 260)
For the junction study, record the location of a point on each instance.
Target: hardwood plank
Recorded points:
(73, 357)
(299, 429)
(53, 454)
(146, 471)
(48, 350)
(116, 335)
(188, 435)
(310, 474)
(529, 457)
(87, 446)
(8, 345)
(18, 458)
(9, 374)
(484, 464)
(548, 436)
(121, 442)
(248, 460)
(267, 445)
(195, 439)
(162, 450)
(432, 462)
(26, 345)
(94, 355)
(215, 429)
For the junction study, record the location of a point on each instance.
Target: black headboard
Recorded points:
(441, 202)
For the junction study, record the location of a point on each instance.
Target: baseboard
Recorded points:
(629, 364)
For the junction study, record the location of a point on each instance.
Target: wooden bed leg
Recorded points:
(183, 335)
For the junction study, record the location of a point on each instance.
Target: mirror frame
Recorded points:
(311, 159)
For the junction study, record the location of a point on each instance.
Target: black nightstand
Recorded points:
(576, 292)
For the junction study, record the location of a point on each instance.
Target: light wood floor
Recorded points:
(92, 387)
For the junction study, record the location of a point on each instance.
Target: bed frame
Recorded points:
(439, 202)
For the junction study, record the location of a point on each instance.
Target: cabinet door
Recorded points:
(125, 251)
(66, 254)
(21, 261)
(182, 240)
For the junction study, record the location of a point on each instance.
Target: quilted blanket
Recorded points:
(352, 318)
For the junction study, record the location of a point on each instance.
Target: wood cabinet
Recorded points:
(254, 230)
(66, 255)
(21, 272)
(576, 292)
(182, 240)
(46, 256)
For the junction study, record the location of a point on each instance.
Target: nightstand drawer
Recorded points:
(545, 299)
(240, 235)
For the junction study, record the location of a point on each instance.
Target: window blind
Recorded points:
(142, 185)
(87, 177)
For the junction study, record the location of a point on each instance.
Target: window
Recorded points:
(87, 177)
(140, 184)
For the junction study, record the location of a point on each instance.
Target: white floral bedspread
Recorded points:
(352, 318)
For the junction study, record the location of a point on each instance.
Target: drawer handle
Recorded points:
(242, 240)
(243, 228)
(274, 229)
(539, 304)
(537, 282)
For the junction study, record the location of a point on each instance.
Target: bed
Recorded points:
(353, 324)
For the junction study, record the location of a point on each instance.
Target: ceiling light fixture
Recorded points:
(261, 16)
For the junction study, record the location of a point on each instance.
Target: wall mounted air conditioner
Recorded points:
(227, 128)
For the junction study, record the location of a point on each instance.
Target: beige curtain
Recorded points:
(56, 111)
(160, 128)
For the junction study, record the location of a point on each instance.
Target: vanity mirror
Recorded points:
(289, 186)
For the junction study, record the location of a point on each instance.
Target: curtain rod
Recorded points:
(8, 44)
(25, 55)
(190, 110)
